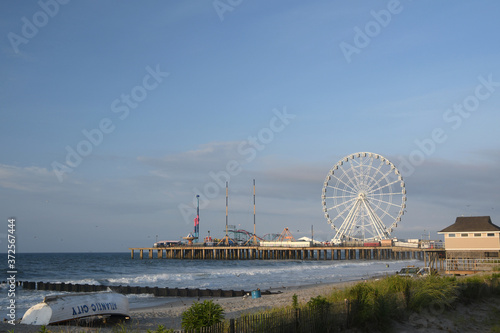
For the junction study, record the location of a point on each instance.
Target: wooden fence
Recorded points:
(453, 265)
(332, 318)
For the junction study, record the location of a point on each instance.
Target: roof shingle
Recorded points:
(472, 223)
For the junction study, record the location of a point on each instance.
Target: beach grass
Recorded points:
(371, 305)
(374, 305)
(203, 314)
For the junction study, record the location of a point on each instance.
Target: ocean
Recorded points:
(119, 269)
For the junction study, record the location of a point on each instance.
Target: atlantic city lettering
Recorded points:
(94, 307)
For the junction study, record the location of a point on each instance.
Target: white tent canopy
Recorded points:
(307, 239)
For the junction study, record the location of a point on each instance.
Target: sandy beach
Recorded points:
(169, 314)
(478, 317)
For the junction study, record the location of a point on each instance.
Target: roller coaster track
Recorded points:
(249, 235)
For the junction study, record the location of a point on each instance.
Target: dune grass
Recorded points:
(373, 305)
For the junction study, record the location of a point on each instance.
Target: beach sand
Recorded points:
(478, 317)
(170, 314)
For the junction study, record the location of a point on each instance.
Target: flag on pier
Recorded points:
(197, 226)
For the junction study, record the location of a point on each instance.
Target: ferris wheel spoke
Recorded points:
(384, 193)
(366, 169)
(358, 223)
(352, 179)
(378, 225)
(386, 213)
(349, 218)
(371, 162)
(342, 189)
(370, 169)
(391, 216)
(355, 178)
(379, 188)
(340, 180)
(384, 177)
(345, 210)
(343, 196)
(386, 202)
(365, 174)
(376, 172)
(342, 203)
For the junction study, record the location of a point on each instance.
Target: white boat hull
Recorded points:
(60, 308)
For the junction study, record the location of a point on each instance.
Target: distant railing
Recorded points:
(432, 245)
(475, 265)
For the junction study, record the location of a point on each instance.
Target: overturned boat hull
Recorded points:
(61, 308)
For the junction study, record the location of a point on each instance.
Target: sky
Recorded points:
(114, 115)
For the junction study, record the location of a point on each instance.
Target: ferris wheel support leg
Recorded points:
(348, 221)
(377, 223)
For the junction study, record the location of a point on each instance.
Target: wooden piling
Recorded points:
(285, 253)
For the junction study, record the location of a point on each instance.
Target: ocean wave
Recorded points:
(150, 279)
(83, 281)
(119, 269)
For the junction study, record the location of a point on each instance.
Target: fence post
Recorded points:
(297, 320)
(347, 313)
(231, 326)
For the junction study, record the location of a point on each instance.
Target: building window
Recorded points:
(464, 235)
(451, 235)
(491, 235)
(477, 235)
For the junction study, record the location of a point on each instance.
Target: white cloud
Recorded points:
(208, 157)
(288, 194)
(30, 179)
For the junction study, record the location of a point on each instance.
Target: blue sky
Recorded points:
(171, 92)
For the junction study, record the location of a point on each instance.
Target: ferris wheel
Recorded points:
(363, 198)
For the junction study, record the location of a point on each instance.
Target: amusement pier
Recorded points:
(363, 200)
(433, 258)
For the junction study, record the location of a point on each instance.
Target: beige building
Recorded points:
(472, 245)
(475, 233)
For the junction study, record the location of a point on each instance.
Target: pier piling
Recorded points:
(200, 252)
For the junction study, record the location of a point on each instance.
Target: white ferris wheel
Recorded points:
(363, 198)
